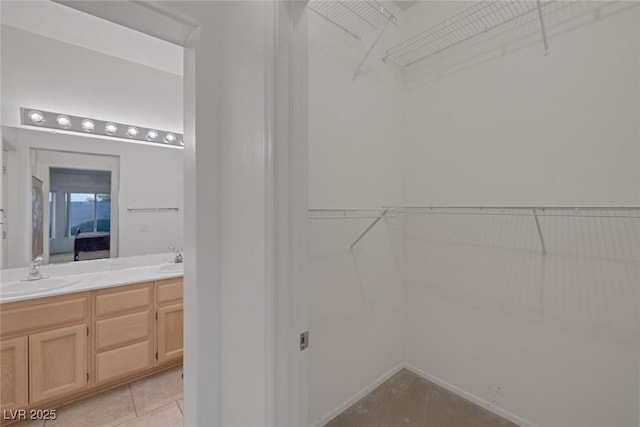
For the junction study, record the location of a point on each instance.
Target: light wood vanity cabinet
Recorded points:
(63, 348)
(54, 333)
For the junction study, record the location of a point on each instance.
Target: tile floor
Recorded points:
(411, 401)
(403, 400)
(154, 401)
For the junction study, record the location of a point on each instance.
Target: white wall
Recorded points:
(59, 22)
(356, 306)
(549, 340)
(149, 177)
(354, 125)
(517, 127)
(39, 72)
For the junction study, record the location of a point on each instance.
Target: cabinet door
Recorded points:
(14, 373)
(170, 332)
(57, 362)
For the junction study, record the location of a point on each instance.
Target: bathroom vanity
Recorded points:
(65, 339)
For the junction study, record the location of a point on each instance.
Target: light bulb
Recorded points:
(170, 138)
(88, 125)
(111, 128)
(63, 121)
(36, 117)
(152, 134)
(132, 131)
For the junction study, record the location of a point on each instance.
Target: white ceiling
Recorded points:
(62, 23)
(405, 4)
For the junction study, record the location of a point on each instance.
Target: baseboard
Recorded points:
(471, 397)
(359, 395)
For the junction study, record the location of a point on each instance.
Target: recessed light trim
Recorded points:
(70, 123)
(63, 121)
(152, 135)
(111, 128)
(88, 125)
(36, 117)
(170, 138)
(132, 131)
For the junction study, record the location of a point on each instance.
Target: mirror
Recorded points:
(88, 205)
(68, 193)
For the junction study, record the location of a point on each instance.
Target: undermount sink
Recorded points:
(171, 267)
(34, 286)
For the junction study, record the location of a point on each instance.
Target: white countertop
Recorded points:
(86, 276)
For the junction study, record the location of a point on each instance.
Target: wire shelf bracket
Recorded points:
(364, 233)
(465, 25)
(351, 213)
(375, 42)
(535, 217)
(543, 29)
(357, 18)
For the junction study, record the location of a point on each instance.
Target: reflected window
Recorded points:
(88, 212)
(103, 212)
(52, 213)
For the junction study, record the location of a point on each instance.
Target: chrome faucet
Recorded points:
(34, 270)
(177, 258)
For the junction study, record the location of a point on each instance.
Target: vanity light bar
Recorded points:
(85, 125)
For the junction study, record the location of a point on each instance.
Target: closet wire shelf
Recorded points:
(357, 18)
(153, 209)
(535, 211)
(627, 212)
(471, 22)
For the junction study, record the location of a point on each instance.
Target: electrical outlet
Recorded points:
(304, 340)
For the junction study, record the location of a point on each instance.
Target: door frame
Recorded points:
(47, 159)
(286, 189)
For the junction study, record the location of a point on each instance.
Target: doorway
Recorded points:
(80, 214)
(82, 217)
(246, 203)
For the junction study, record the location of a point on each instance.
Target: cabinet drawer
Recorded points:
(169, 290)
(111, 301)
(123, 329)
(43, 313)
(123, 361)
